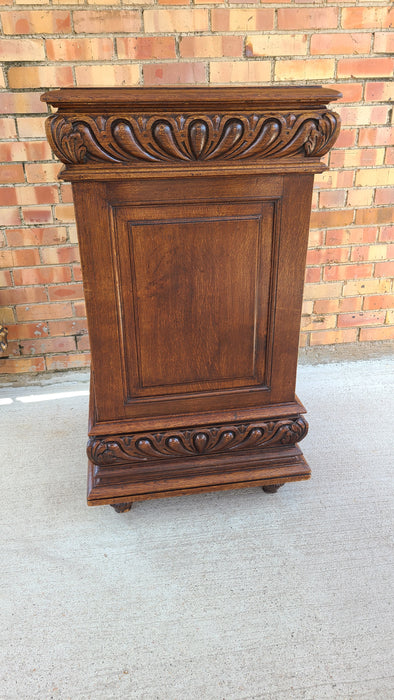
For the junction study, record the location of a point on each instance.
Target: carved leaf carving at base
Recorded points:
(191, 442)
(130, 138)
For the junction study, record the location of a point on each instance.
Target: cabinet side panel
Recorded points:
(294, 231)
(99, 283)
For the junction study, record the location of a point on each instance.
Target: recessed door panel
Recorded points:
(195, 284)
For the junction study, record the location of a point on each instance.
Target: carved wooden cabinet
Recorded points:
(192, 208)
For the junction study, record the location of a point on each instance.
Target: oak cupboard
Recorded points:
(192, 209)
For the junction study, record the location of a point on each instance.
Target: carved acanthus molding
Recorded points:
(192, 442)
(125, 138)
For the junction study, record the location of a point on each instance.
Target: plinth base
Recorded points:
(267, 469)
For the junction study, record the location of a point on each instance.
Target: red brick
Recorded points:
(313, 322)
(66, 192)
(7, 128)
(42, 275)
(36, 22)
(355, 157)
(75, 327)
(23, 257)
(240, 71)
(347, 272)
(97, 74)
(67, 361)
(25, 295)
(379, 91)
(42, 172)
(242, 20)
(79, 309)
(28, 330)
(371, 334)
(389, 159)
(83, 343)
(348, 335)
(329, 199)
(334, 179)
(307, 18)
(312, 274)
(346, 139)
(360, 319)
(41, 312)
(65, 213)
(365, 67)
(31, 127)
(5, 278)
(341, 43)
(276, 45)
(24, 150)
(387, 234)
(351, 92)
(327, 306)
(21, 103)
(185, 20)
(365, 217)
(106, 21)
(360, 197)
(379, 301)
(68, 291)
(21, 50)
(369, 252)
(45, 345)
(380, 136)
(20, 365)
(77, 273)
(324, 256)
(61, 255)
(36, 236)
(6, 259)
(8, 197)
(10, 216)
(384, 196)
(174, 73)
(363, 115)
(370, 286)
(384, 42)
(366, 17)
(40, 76)
(43, 194)
(37, 215)
(210, 46)
(80, 49)
(384, 269)
(145, 47)
(301, 69)
(328, 219)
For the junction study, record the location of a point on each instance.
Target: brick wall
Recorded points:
(349, 293)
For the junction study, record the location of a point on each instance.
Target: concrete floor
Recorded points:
(233, 595)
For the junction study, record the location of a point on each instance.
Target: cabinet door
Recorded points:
(188, 275)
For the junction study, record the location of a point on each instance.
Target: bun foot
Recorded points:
(271, 488)
(121, 507)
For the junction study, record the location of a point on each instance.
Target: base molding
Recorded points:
(194, 460)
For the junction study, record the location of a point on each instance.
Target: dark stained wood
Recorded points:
(121, 507)
(271, 488)
(192, 208)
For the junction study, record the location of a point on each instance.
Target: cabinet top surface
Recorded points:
(178, 97)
